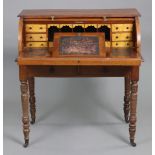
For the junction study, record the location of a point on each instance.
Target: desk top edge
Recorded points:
(77, 13)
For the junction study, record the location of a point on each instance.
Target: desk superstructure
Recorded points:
(79, 43)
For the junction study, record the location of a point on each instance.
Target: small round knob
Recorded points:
(30, 44)
(127, 37)
(116, 28)
(127, 27)
(41, 37)
(30, 37)
(41, 28)
(42, 44)
(127, 44)
(30, 28)
(116, 37)
(116, 44)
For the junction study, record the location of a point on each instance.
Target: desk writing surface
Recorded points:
(44, 57)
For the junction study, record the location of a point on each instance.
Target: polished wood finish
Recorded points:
(120, 53)
(59, 13)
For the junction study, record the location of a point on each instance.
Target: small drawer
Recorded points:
(36, 37)
(121, 36)
(122, 44)
(36, 44)
(122, 27)
(35, 28)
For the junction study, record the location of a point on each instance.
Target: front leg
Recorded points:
(25, 110)
(127, 98)
(133, 107)
(32, 100)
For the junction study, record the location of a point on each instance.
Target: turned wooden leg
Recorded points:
(25, 110)
(133, 106)
(32, 100)
(127, 99)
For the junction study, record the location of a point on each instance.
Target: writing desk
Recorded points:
(79, 43)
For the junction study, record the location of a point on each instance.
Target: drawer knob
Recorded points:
(127, 27)
(41, 28)
(41, 37)
(116, 37)
(116, 44)
(127, 44)
(30, 37)
(30, 44)
(42, 44)
(116, 28)
(30, 28)
(127, 37)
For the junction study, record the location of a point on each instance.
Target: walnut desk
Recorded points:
(79, 43)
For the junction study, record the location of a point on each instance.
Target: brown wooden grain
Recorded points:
(62, 13)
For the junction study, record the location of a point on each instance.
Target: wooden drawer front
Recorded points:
(122, 27)
(35, 28)
(122, 44)
(121, 36)
(36, 37)
(36, 44)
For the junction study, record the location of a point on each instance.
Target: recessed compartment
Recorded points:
(90, 27)
(51, 31)
(106, 30)
(66, 28)
(78, 29)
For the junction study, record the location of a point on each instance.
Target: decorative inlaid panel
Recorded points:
(81, 45)
(35, 28)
